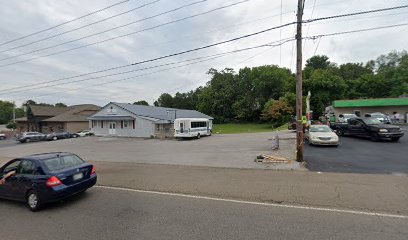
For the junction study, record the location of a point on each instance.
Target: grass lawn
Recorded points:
(229, 128)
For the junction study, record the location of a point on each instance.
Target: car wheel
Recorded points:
(33, 201)
(54, 138)
(339, 132)
(1, 138)
(375, 137)
(198, 136)
(74, 136)
(27, 140)
(395, 139)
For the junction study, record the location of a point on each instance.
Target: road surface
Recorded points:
(103, 213)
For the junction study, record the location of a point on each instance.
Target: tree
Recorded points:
(141, 102)
(317, 62)
(60, 105)
(11, 125)
(325, 87)
(165, 100)
(276, 111)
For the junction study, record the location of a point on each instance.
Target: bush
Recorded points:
(11, 125)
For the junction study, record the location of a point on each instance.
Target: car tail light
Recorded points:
(53, 181)
(93, 170)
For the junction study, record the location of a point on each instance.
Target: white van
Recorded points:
(192, 127)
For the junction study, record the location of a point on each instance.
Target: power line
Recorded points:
(108, 30)
(272, 44)
(354, 14)
(81, 27)
(358, 30)
(187, 51)
(166, 69)
(64, 23)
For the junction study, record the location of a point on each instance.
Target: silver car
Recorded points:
(321, 135)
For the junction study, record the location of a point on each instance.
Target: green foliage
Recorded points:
(60, 105)
(11, 125)
(234, 128)
(141, 102)
(277, 111)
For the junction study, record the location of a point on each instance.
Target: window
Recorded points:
(58, 163)
(157, 127)
(125, 124)
(27, 167)
(11, 167)
(198, 124)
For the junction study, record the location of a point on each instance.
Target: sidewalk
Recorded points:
(379, 193)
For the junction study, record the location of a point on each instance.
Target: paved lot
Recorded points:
(229, 150)
(116, 214)
(8, 143)
(359, 155)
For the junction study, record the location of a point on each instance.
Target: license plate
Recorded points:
(78, 176)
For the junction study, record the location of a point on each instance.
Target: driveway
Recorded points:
(359, 155)
(223, 150)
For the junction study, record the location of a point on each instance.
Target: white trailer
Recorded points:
(192, 127)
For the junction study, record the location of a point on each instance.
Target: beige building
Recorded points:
(360, 107)
(47, 119)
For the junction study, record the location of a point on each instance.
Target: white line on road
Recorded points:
(258, 203)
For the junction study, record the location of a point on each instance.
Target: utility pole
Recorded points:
(299, 114)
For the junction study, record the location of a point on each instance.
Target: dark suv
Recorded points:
(30, 136)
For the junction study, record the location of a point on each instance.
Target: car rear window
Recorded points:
(62, 162)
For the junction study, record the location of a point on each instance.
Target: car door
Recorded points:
(6, 188)
(21, 182)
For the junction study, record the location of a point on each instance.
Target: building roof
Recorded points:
(51, 111)
(379, 102)
(76, 113)
(22, 119)
(161, 113)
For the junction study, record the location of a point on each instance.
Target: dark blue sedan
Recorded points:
(43, 178)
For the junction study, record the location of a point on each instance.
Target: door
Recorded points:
(181, 127)
(21, 182)
(356, 128)
(6, 187)
(112, 128)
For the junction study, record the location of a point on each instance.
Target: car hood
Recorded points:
(322, 134)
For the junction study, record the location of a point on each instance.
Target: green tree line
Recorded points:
(267, 93)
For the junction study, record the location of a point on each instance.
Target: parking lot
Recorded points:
(229, 150)
(359, 155)
(354, 155)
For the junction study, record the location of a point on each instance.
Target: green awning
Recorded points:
(379, 102)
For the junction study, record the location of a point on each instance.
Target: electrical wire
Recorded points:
(61, 24)
(81, 27)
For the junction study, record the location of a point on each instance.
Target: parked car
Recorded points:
(30, 137)
(85, 133)
(2, 136)
(44, 178)
(321, 135)
(73, 135)
(58, 135)
(380, 116)
(369, 127)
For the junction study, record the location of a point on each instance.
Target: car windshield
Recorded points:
(350, 115)
(320, 129)
(371, 121)
(377, 115)
(62, 162)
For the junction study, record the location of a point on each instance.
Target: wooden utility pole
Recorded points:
(299, 114)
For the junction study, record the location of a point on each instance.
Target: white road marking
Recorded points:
(258, 203)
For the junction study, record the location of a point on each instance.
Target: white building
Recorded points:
(128, 120)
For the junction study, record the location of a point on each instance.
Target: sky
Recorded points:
(55, 65)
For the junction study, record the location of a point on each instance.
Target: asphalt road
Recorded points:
(120, 214)
(8, 143)
(359, 155)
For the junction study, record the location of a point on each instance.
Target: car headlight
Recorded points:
(383, 130)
